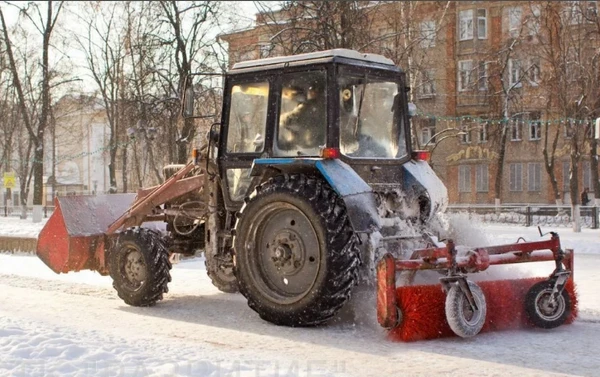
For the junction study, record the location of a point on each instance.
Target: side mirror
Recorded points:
(188, 102)
(412, 109)
(213, 134)
(208, 96)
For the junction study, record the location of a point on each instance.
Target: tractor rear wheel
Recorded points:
(296, 254)
(139, 266)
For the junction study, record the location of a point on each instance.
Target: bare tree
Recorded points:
(35, 127)
(305, 26)
(104, 51)
(187, 33)
(571, 80)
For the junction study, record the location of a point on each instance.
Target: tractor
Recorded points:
(308, 177)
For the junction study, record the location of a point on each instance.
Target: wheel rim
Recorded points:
(470, 317)
(133, 268)
(284, 257)
(546, 309)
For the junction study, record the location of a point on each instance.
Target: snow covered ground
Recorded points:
(75, 325)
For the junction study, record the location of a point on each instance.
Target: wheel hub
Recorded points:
(287, 252)
(547, 305)
(135, 268)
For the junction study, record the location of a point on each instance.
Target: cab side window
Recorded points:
(248, 118)
(303, 114)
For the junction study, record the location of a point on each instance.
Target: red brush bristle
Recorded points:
(423, 314)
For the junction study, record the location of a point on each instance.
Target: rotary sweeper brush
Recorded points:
(306, 178)
(458, 306)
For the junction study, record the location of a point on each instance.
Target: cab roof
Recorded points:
(329, 56)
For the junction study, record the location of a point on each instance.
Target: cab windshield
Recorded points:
(371, 120)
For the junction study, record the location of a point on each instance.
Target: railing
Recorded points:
(518, 214)
(530, 214)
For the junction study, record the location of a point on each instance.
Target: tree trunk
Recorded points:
(594, 169)
(500, 165)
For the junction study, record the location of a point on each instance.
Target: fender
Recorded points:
(354, 191)
(422, 180)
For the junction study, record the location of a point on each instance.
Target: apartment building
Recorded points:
(493, 80)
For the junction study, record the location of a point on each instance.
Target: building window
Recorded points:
(514, 73)
(428, 34)
(427, 136)
(464, 178)
(589, 129)
(464, 74)
(533, 22)
(515, 130)
(535, 129)
(465, 31)
(427, 84)
(573, 71)
(534, 72)
(483, 132)
(482, 81)
(482, 23)
(534, 176)
(482, 178)
(569, 129)
(516, 177)
(514, 21)
(465, 134)
(587, 175)
(566, 170)
(427, 131)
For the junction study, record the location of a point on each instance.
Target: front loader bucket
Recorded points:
(72, 234)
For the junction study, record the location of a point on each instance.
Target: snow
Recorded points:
(75, 325)
(15, 227)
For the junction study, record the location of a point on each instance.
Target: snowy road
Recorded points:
(74, 325)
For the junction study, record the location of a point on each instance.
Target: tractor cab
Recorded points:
(338, 104)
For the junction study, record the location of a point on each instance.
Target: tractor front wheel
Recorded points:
(220, 271)
(296, 254)
(139, 266)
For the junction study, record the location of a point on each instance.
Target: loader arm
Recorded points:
(149, 199)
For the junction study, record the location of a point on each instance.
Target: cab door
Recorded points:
(244, 135)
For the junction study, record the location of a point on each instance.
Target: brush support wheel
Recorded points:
(462, 318)
(544, 312)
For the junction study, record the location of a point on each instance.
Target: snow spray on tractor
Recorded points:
(307, 186)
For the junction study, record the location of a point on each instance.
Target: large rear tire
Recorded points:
(139, 266)
(296, 254)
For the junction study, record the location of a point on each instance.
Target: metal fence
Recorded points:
(519, 214)
(530, 215)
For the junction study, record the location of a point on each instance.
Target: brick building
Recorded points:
(476, 69)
